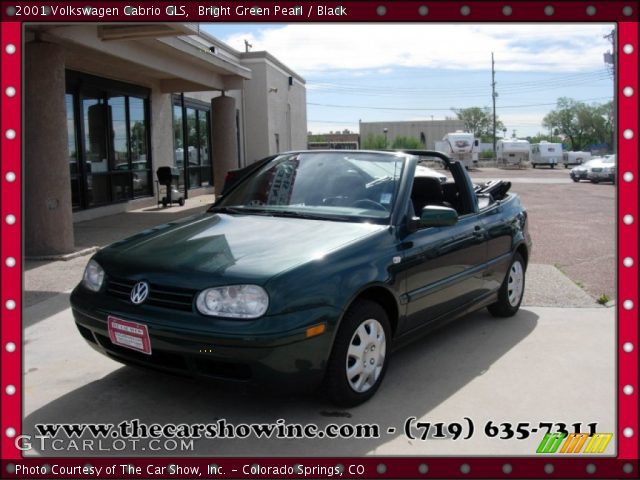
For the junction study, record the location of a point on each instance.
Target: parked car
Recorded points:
(308, 272)
(580, 172)
(603, 170)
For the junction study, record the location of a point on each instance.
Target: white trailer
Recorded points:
(575, 158)
(546, 153)
(513, 152)
(460, 146)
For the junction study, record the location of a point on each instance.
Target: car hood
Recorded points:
(218, 248)
(600, 164)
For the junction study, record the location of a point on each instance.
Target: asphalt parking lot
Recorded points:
(479, 367)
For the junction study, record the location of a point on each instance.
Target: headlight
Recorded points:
(236, 301)
(93, 276)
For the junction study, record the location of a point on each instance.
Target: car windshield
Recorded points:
(348, 186)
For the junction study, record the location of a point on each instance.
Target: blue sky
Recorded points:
(391, 72)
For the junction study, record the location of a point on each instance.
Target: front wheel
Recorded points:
(360, 355)
(511, 291)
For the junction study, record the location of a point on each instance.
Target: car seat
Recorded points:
(427, 191)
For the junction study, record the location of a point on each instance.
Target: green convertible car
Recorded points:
(309, 270)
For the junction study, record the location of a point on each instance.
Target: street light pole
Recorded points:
(386, 144)
(493, 96)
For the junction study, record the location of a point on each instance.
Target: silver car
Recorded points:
(580, 172)
(603, 170)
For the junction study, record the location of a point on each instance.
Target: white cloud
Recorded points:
(314, 48)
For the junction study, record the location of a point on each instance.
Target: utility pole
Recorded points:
(610, 60)
(493, 96)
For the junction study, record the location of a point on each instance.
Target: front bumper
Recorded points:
(246, 355)
(602, 176)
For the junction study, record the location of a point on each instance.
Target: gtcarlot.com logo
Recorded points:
(49, 444)
(574, 443)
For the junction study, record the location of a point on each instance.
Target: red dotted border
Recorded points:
(625, 465)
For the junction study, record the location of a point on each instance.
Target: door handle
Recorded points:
(478, 231)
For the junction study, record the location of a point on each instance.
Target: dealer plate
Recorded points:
(129, 334)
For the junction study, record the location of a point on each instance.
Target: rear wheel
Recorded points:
(511, 291)
(360, 356)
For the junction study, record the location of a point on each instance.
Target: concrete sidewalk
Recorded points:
(538, 366)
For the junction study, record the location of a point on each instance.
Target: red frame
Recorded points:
(396, 467)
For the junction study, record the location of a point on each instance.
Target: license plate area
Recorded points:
(132, 335)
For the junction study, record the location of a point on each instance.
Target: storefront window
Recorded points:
(193, 157)
(138, 138)
(178, 143)
(72, 148)
(113, 164)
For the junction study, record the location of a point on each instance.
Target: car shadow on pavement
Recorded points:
(55, 303)
(420, 377)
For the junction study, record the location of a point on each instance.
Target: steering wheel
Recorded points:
(369, 204)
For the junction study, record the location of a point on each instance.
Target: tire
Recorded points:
(553, 166)
(533, 165)
(595, 181)
(181, 201)
(345, 384)
(575, 179)
(509, 299)
(164, 202)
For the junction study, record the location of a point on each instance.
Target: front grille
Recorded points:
(596, 170)
(160, 296)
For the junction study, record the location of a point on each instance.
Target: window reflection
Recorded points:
(192, 154)
(109, 157)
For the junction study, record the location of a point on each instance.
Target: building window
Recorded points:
(192, 143)
(107, 125)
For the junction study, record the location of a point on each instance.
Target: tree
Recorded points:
(374, 142)
(406, 142)
(478, 121)
(582, 125)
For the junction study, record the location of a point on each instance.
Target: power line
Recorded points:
(443, 109)
(568, 80)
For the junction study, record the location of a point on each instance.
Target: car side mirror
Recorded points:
(435, 216)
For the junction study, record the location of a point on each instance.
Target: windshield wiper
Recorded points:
(311, 216)
(239, 211)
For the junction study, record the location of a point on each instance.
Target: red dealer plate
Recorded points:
(129, 334)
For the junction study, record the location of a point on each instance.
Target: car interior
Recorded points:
(430, 191)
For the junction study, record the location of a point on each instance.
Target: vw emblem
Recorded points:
(139, 292)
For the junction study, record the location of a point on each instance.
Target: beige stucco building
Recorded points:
(426, 131)
(106, 105)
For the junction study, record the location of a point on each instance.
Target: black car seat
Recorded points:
(427, 191)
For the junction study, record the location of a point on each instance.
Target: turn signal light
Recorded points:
(316, 330)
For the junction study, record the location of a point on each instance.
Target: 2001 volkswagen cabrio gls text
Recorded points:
(307, 272)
